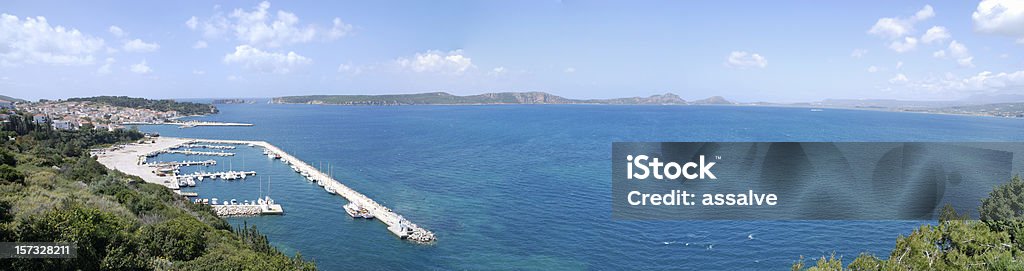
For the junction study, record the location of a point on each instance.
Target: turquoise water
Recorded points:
(528, 187)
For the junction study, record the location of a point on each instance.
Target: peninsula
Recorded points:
(444, 98)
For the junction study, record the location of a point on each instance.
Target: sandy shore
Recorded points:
(126, 159)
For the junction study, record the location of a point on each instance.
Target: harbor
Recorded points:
(395, 223)
(132, 159)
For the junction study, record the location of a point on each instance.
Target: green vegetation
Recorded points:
(996, 242)
(184, 108)
(51, 190)
(486, 98)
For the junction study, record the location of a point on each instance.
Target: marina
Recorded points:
(396, 224)
(131, 159)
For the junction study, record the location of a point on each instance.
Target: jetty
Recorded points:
(396, 224)
(227, 175)
(262, 206)
(210, 162)
(190, 124)
(201, 146)
(191, 152)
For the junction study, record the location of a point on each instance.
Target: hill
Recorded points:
(184, 108)
(9, 98)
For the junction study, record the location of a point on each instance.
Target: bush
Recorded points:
(181, 238)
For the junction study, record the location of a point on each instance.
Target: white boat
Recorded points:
(296, 169)
(251, 145)
(200, 177)
(353, 210)
(234, 202)
(817, 110)
(311, 179)
(182, 183)
(330, 190)
(319, 182)
(190, 182)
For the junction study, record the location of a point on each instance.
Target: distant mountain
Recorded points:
(12, 99)
(486, 98)
(713, 100)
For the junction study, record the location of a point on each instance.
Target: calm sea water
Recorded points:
(528, 187)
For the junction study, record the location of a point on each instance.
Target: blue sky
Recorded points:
(743, 50)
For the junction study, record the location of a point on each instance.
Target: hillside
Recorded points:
(443, 98)
(53, 191)
(9, 98)
(184, 108)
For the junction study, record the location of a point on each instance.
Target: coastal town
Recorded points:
(85, 114)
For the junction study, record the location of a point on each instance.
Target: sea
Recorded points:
(528, 187)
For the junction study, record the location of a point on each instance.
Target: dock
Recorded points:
(190, 152)
(210, 162)
(227, 175)
(395, 223)
(201, 146)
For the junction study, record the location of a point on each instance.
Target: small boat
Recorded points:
(310, 178)
(366, 214)
(817, 110)
(213, 201)
(190, 182)
(234, 202)
(330, 190)
(277, 156)
(320, 183)
(296, 169)
(251, 145)
(182, 183)
(353, 210)
(200, 177)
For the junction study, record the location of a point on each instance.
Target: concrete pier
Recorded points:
(189, 152)
(396, 223)
(210, 162)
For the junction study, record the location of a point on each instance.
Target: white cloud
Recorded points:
(905, 45)
(192, 23)
(983, 82)
(453, 62)
(259, 27)
(743, 60)
(116, 31)
(873, 69)
(1001, 17)
(498, 71)
(959, 52)
(33, 40)
(899, 79)
(349, 68)
(141, 68)
(939, 54)
(340, 29)
(858, 53)
(199, 45)
(899, 65)
(570, 70)
(198, 72)
(139, 46)
(935, 34)
(269, 62)
(894, 28)
(105, 69)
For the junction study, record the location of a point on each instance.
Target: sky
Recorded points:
(775, 51)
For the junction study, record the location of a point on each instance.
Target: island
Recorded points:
(444, 98)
